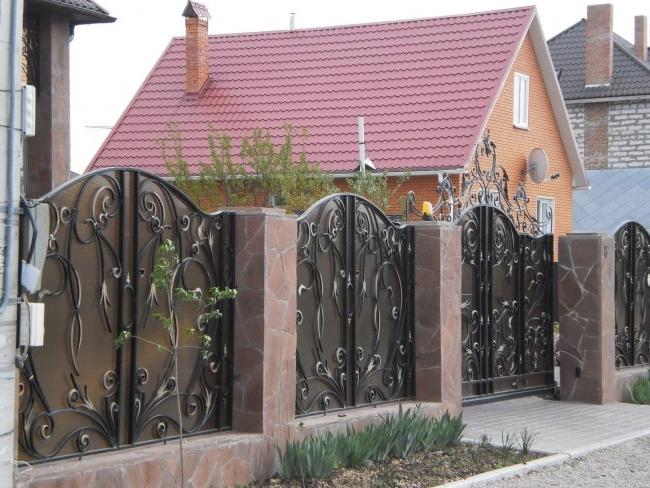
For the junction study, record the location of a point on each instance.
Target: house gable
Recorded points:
(514, 144)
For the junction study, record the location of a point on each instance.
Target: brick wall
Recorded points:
(629, 134)
(596, 138)
(577, 118)
(514, 145)
(618, 133)
(196, 53)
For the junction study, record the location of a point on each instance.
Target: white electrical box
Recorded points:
(32, 324)
(29, 111)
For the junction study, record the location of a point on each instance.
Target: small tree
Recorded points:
(165, 277)
(375, 187)
(263, 170)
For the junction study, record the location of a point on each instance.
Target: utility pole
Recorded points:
(11, 27)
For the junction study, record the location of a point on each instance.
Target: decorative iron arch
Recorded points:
(355, 294)
(78, 394)
(632, 295)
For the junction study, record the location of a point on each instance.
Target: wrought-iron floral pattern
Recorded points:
(354, 305)
(632, 292)
(78, 393)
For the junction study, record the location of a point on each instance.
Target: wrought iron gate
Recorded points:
(354, 306)
(632, 297)
(78, 393)
(507, 337)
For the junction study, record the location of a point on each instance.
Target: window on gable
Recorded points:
(520, 106)
(546, 214)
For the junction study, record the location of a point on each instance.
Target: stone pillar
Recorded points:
(48, 152)
(437, 314)
(586, 310)
(265, 322)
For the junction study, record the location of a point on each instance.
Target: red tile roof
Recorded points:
(425, 88)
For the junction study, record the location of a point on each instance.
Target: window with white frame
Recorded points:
(521, 96)
(546, 214)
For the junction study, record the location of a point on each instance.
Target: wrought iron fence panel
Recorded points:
(354, 314)
(81, 394)
(506, 306)
(632, 295)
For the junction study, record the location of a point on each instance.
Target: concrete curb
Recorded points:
(508, 471)
(553, 459)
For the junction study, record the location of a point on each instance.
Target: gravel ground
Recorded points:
(626, 465)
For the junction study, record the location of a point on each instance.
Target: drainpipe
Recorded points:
(11, 186)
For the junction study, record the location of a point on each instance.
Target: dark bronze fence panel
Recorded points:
(355, 297)
(79, 393)
(632, 295)
(506, 336)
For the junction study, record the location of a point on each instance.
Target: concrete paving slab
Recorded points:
(560, 427)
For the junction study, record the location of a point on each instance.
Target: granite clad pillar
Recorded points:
(437, 314)
(586, 311)
(265, 322)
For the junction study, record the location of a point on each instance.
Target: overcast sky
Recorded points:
(110, 61)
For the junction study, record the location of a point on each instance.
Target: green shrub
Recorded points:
(640, 390)
(356, 448)
(396, 436)
(316, 457)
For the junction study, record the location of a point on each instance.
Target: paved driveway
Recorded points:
(561, 427)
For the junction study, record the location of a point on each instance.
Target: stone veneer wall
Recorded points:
(586, 306)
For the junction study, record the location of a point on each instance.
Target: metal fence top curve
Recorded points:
(365, 201)
(85, 177)
(625, 223)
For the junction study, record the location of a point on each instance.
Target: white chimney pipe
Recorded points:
(292, 21)
(362, 144)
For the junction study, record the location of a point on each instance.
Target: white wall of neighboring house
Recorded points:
(628, 132)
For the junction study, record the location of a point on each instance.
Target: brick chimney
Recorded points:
(641, 37)
(196, 46)
(599, 44)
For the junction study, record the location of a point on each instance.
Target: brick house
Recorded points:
(428, 90)
(48, 29)
(605, 82)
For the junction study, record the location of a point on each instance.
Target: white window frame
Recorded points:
(550, 200)
(521, 100)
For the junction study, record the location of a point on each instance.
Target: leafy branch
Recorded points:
(164, 277)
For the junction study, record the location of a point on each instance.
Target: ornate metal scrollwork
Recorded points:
(632, 271)
(483, 186)
(506, 319)
(354, 298)
(105, 231)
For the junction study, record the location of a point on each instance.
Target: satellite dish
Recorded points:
(537, 165)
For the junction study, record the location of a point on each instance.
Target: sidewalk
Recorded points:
(560, 427)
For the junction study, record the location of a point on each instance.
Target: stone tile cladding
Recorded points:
(437, 314)
(586, 311)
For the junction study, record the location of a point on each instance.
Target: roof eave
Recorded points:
(77, 15)
(558, 106)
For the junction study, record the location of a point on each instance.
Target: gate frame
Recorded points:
(486, 299)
